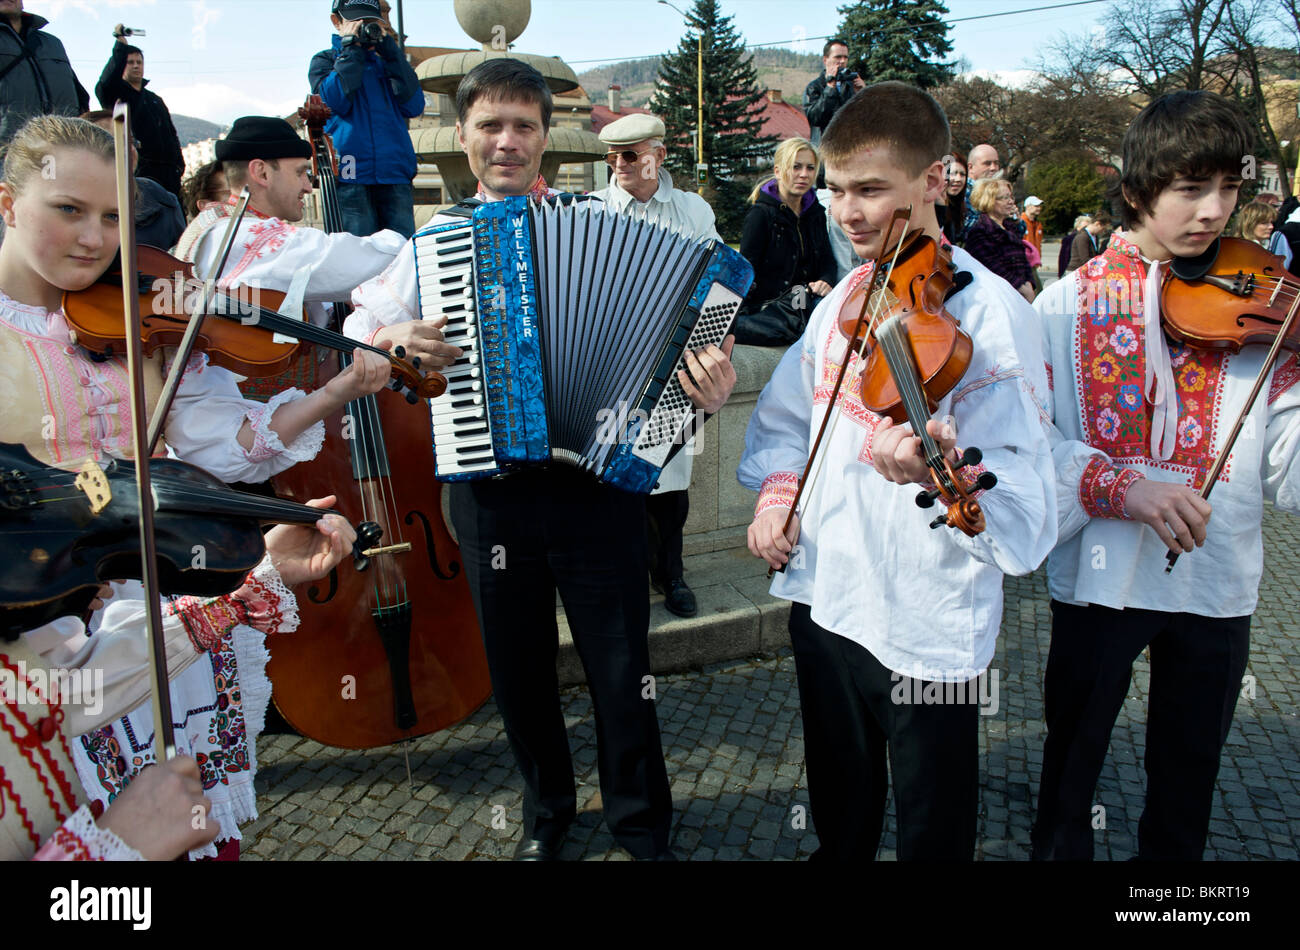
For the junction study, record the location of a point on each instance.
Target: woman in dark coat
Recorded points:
(991, 243)
(785, 238)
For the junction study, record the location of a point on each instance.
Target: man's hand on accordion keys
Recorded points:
(419, 339)
(709, 376)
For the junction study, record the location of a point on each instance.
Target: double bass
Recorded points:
(395, 653)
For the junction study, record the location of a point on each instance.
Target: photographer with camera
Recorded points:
(836, 85)
(151, 123)
(824, 96)
(371, 90)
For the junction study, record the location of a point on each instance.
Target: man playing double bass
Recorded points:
(558, 529)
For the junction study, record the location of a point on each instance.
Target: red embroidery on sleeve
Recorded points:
(1103, 489)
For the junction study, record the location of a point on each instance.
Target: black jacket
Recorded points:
(151, 123)
(821, 102)
(159, 220)
(39, 79)
(784, 250)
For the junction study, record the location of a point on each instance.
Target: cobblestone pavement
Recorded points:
(734, 745)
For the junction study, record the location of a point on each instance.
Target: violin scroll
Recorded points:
(954, 490)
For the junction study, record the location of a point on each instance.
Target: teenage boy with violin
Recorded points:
(892, 622)
(556, 527)
(1139, 422)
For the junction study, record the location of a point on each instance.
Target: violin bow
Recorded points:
(164, 739)
(186, 346)
(879, 278)
(1222, 458)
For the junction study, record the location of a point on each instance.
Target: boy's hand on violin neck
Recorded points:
(1176, 513)
(156, 815)
(420, 338)
(897, 454)
(766, 539)
(302, 553)
(368, 374)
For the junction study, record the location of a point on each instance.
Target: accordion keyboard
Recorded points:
(462, 433)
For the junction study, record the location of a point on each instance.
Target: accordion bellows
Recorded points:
(574, 320)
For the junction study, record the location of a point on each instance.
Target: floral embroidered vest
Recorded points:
(1110, 369)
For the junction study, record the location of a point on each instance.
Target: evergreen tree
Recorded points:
(733, 136)
(898, 39)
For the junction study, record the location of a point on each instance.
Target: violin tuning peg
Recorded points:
(925, 498)
(939, 521)
(412, 396)
(400, 352)
(986, 481)
(972, 456)
(415, 361)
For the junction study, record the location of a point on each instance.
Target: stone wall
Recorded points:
(721, 509)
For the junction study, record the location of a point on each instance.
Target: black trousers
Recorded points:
(665, 518)
(1197, 665)
(522, 538)
(851, 722)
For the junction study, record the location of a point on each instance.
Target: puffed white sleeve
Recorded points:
(386, 299)
(1281, 463)
(1088, 485)
(1000, 410)
(776, 440)
(207, 414)
(119, 651)
(269, 253)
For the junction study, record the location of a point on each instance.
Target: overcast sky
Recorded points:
(218, 59)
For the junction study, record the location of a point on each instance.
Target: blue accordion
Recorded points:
(574, 321)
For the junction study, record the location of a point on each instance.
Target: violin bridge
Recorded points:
(94, 484)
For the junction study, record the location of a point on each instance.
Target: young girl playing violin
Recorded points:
(892, 622)
(1139, 421)
(58, 201)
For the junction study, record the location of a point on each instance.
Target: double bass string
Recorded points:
(369, 447)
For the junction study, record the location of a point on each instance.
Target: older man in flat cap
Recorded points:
(642, 187)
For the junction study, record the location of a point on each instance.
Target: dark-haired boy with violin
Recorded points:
(1139, 420)
(892, 622)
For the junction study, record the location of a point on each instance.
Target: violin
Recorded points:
(1234, 294)
(69, 532)
(241, 331)
(913, 353)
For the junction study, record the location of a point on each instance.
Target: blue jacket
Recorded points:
(371, 94)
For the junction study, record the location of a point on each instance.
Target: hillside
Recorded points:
(190, 129)
(779, 69)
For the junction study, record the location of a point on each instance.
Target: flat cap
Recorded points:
(633, 128)
(261, 136)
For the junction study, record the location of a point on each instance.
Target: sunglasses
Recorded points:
(630, 156)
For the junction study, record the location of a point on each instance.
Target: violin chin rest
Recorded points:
(1194, 268)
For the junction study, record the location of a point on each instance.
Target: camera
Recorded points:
(370, 34)
(846, 77)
